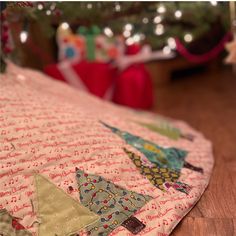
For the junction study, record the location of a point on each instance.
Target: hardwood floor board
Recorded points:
(218, 201)
(205, 226)
(212, 99)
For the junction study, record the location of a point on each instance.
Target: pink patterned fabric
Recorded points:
(51, 128)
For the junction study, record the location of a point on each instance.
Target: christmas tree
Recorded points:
(59, 214)
(158, 24)
(154, 22)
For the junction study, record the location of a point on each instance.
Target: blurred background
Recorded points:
(126, 52)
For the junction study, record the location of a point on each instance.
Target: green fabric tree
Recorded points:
(112, 203)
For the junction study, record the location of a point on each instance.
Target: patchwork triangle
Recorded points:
(112, 203)
(59, 213)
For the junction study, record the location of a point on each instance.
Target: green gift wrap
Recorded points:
(90, 35)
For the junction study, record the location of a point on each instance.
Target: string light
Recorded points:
(188, 38)
(53, 6)
(142, 36)
(40, 6)
(126, 33)
(157, 19)
(213, 3)
(48, 12)
(65, 25)
(145, 20)
(89, 6)
(128, 27)
(136, 38)
(161, 9)
(117, 7)
(171, 43)
(108, 32)
(129, 41)
(159, 29)
(166, 50)
(178, 14)
(23, 36)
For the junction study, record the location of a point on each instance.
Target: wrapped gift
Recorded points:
(88, 44)
(71, 47)
(89, 38)
(100, 47)
(85, 65)
(108, 49)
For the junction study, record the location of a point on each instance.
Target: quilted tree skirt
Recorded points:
(72, 164)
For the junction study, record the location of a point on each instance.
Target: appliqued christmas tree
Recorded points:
(59, 214)
(164, 128)
(112, 203)
(167, 162)
(172, 158)
(161, 178)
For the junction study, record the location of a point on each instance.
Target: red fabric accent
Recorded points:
(206, 56)
(133, 49)
(98, 77)
(52, 70)
(134, 88)
(16, 225)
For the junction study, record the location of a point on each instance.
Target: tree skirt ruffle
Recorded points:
(141, 164)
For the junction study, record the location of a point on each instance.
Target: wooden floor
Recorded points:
(207, 101)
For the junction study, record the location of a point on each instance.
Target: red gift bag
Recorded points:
(133, 88)
(94, 77)
(98, 77)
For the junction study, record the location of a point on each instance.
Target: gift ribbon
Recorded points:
(90, 34)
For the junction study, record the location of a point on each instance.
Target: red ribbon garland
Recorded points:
(206, 56)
